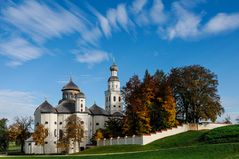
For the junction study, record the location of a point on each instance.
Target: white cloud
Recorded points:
(104, 24)
(18, 50)
(92, 57)
(43, 22)
(122, 16)
(138, 5)
(222, 22)
(12, 101)
(157, 12)
(187, 23)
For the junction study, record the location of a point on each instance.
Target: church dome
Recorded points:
(71, 86)
(114, 67)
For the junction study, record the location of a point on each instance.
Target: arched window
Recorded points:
(119, 99)
(81, 105)
(114, 98)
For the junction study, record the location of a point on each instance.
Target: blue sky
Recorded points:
(44, 43)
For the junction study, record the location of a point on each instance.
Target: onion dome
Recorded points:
(70, 86)
(80, 95)
(114, 67)
(113, 78)
(46, 107)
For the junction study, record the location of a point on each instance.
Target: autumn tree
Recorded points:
(195, 90)
(40, 135)
(20, 130)
(136, 120)
(74, 131)
(3, 135)
(163, 109)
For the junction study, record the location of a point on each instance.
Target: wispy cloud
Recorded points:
(18, 50)
(187, 23)
(92, 57)
(222, 22)
(41, 22)
(11, 100)
(157, 12)
(138, 5)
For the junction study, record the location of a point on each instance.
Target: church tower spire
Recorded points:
(113, 99)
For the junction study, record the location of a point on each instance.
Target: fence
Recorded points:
(146, 139)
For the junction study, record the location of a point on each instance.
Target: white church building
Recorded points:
(74, 102)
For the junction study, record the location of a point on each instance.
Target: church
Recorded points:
(73, 101)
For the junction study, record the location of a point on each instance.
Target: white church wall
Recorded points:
(50, 122)
(98, 122)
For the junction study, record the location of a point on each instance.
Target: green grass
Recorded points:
(182, 146)
(222, 135)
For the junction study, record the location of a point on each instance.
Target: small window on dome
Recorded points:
(46, 122)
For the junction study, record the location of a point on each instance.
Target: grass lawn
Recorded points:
(187, 145)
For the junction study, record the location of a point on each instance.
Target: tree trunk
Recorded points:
(22, 145)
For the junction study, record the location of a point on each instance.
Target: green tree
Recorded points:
(20, 130)
(3, 135)
(113, 127)
(195, 90)
(40, 135)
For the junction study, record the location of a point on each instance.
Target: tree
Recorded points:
(237, 119)
(137, 119)
(74, 131)
(113, 127)
(163, 110)
(20, 130)
(3, 135)
(40, 135)
(99, 135)
(195, 90)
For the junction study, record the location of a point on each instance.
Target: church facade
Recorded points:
(73, 101)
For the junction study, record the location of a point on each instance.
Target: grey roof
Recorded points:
(96, 110)
(46, 107)
(80, 95)
(113, 78)
(66, 106)
(70, 86)
(118, 114)
(114, 67)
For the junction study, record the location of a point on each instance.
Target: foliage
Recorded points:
(113, 127)
(40, 135)
(150, 104)
(99, 134)
(20, 130)
(74, 131)
(195, 91)
(222, 134)
(3, 135)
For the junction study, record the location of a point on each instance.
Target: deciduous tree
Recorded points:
(40, 135)
(195, 91)
(20, 130)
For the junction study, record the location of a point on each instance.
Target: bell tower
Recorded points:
(113, 99)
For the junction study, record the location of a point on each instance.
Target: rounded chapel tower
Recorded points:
(113, 99)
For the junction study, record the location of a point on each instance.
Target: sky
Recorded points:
(44, 43)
